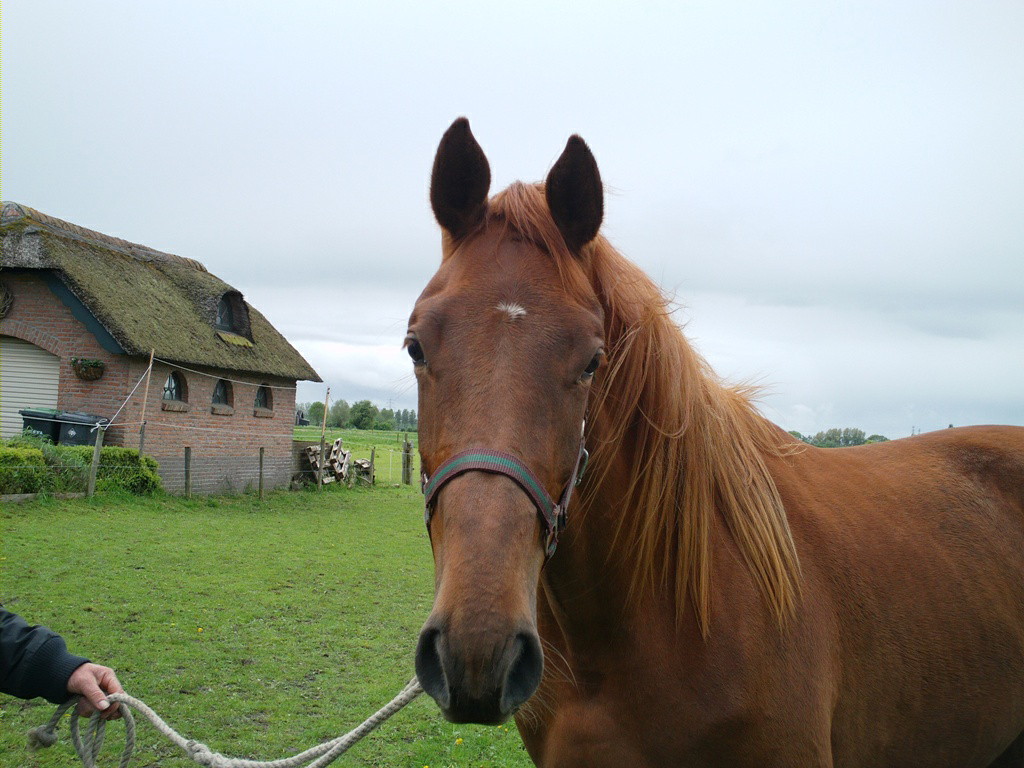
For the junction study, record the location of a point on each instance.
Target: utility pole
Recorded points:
(145, 399)
(323, 444)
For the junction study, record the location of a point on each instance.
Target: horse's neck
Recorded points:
(588, 583)
(591, 583)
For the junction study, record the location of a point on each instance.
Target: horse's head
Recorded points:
(505, 340)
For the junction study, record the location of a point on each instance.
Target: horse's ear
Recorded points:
(575, 195)
(460, 180)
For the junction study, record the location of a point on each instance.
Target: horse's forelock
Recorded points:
(523, 210)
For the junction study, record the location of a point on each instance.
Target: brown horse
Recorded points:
(721, 595)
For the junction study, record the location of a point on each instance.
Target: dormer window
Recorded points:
(232, 319)
(225, 315)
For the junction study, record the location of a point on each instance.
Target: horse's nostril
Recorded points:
(430, 668)
(524, 672)
(505, 673)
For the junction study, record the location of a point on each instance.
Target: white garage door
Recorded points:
(28, 379)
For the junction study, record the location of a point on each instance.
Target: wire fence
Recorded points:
(76, 466)
(195, 471)
(81, 470)
(390, 466)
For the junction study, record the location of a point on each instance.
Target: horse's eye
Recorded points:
(415, 352)
(592, 366)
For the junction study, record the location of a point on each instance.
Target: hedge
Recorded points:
(34, 465)
(122, 468)
(22, 470)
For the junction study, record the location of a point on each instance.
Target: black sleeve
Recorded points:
(34, 660)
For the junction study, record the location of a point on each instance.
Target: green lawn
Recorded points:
(362, 438)
(259, 629)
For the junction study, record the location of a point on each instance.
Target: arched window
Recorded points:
(263, 398)
(225, 315)
(174, 388)
(222, 394)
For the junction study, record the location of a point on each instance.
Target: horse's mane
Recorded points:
(697, 445)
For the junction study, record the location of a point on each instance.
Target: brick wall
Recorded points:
(225, 444)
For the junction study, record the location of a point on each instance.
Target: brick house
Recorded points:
(223, 379)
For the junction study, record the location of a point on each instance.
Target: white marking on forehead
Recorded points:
(512, 310)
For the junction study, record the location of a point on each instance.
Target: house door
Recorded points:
(28, 379)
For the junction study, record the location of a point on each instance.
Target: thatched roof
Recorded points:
(146, 299)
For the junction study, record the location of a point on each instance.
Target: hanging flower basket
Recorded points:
(86, 369)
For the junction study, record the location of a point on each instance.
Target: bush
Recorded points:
(122, 468)
(30, 464)
(29, 438)
(68, 470)
(22, 470)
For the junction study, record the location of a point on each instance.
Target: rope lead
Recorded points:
(88, 745)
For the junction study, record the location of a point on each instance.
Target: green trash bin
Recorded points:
(76, 427)
(42, 420)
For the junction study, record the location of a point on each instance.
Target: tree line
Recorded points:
(839, 438)
(365, 415)
(360, 415)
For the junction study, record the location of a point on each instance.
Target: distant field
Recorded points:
(362, 437)
(259, 629)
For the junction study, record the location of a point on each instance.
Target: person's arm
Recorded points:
(34, 661)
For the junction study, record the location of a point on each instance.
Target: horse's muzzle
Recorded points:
(484, 683)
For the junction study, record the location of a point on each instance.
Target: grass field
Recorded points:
(359, 438)
(257, 628)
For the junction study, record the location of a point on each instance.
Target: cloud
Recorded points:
(833, 192)
(856, 366)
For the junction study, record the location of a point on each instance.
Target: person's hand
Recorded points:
(94, 682)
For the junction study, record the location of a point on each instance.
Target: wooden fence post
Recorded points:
(373, 472)
(407, 461)
(261, 473)
(188, 472)
(94, 469)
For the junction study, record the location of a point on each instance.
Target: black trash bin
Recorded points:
(43, 420)
(76, 427)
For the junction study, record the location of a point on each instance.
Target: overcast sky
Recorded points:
(833, 193)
